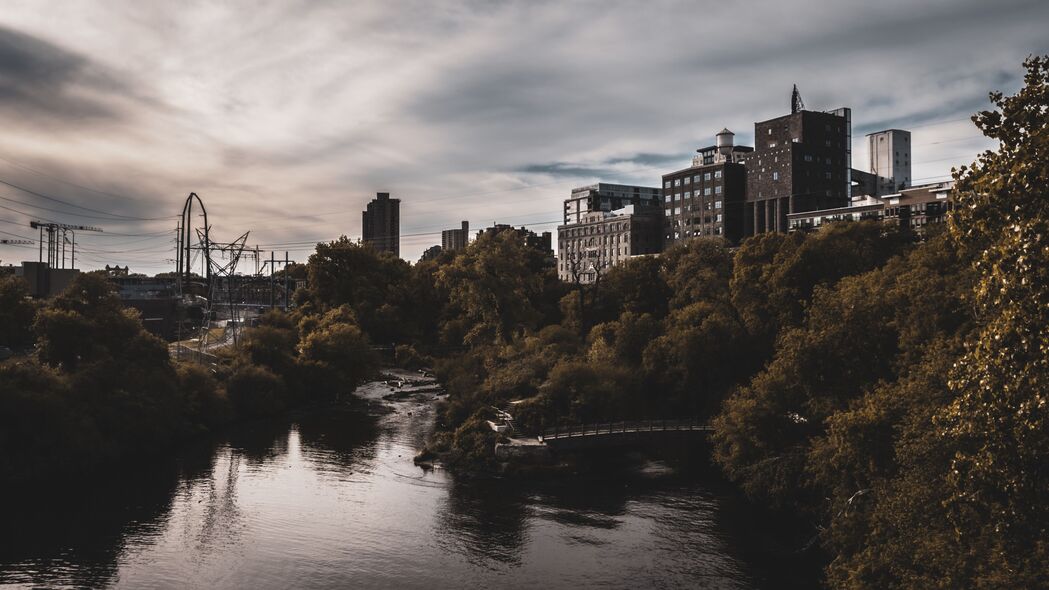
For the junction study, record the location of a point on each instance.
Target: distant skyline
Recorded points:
(288, 117)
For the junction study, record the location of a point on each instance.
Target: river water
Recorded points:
(332, 499)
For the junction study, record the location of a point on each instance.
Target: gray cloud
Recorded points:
(41, 80)
(287, 117)
(609, 169)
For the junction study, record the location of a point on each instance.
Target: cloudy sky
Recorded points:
(287, 117)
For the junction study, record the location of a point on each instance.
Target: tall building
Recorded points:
(889, 152)
(381, 224)
(707, 198)
(801, 162)
(455, 239)
(606, 197)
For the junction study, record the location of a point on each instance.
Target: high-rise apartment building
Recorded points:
(455, 239)
(889, 153)
(381, 224)
(706, 199)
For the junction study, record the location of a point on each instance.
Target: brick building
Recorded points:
(801, 162)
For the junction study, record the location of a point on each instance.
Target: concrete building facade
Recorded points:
(889, 155)
(456, 239)
(603, 239)
(381, 224)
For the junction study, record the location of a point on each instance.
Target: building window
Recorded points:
(717, 204)
(717, 190)
(706, 192)
(772, 144)
(717, 174)
(808, 157)
(688, 194)
(688, 179)
(668, 198)
(775, 176)
(677, 182)
(826, 175)
(706, 176)
(666, 184)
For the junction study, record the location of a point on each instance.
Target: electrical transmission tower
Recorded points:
(222, 259)
(59, 235)
(218, 262)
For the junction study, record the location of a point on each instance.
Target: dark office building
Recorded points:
(801, 162)
(707, 198)
(381, 224)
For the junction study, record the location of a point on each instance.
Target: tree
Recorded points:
(998, 427)
(85, 323)
(16, 312)
(342, 350)
(501, 287)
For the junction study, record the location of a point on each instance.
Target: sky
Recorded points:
(287, 117)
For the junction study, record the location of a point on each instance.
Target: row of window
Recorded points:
(590, 230)
(705, 204)
(679, 234)
(717, 190)
(597, 240)
(688, 179)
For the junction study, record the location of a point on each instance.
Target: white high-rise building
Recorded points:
(889, 152)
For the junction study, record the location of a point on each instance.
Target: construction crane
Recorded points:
(8, 242)
(58, 236)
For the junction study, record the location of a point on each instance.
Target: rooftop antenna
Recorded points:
(796, 104)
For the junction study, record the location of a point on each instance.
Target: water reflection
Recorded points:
(484, 521)
(333, 500)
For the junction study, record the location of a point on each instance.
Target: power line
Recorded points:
(63, 181)
(57, 200)
(42, 208)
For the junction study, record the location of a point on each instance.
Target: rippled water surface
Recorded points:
(333, 500)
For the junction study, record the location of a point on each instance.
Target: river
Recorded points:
(331, 499)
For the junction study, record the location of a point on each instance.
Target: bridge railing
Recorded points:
(625, 427)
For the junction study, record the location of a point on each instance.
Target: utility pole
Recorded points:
(286, 282)
(273, 287)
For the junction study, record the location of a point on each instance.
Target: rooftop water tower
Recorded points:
(724, 143)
